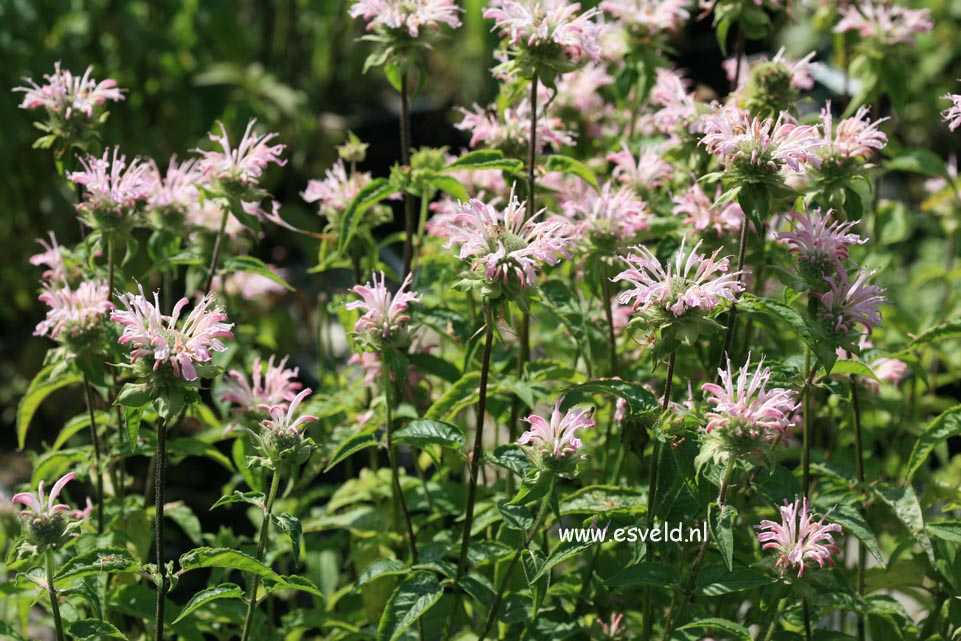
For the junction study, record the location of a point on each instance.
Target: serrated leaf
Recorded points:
(184, 517)
(945, 426)
(425, 431)
(857, 368)
(715, 580)
(101, 560)
(371, 194)
(565, 550)
(353, 444)
(950, 329)
(379, 568)
(600, 499)
(510, 457)
(90, 629)
(132, 420)
(721, 522)
(256, 266)
(208, 557)
(849, 519)
(459, 395)
(641, 400)
(40, 388)
(222, 591)
(713, 623)
(905, 504)
(569, 165)
(415, 595)
(649, 573)
(485, 159)
(290, 526)
(450, 186)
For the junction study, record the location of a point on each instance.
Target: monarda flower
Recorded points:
(701, 212)
(406, 16)
(820, 243)
(52, 258)
(244, 164)
(648, 18)
(282, 441)
(270, 385)
(768, 87)
(156, 337)
(677, 107)
(552, 443)
(385, 320)
(952, 115)
(113, 190)
(509, 247)
(645, 172)
(885, 23)
(46, 523)
(334, 193)
(510, 130)
(846, 304)
(64, 95)
(609, 218)
(800, 540)
(74, 313)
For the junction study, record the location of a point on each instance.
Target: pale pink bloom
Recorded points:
(798, 538)
(555, 437)
(645, 172)
(512, 127)
(856, 137)
(40, 506)
(677, 106)
(52, 257)
(579, 90)
(156, 335)
(731, 134)
(253, 287)
(952, 115)
(369, 363)
(178, 189)
(337, 189)
(538, 23)
(690, 281)
(84, 514)
(614, 629)
(885, 22)
(384, 312)
(74, 311)
(800, 69)
(820, 242)
(270, 385)
(209, 215)
(651, 16)
(614, 212)
(701, 212)
(886, 369)
(64, 93)
(847, 303)
(504, 242)
(111, 186)
(246, 162)
(933, 186)
(746, 408)
(407, 15)
(283, 418)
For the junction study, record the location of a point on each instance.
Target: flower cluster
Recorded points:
(64, 94)
(646, 18)
(157, 337)
(952, 115)
(886, 23)
(282, 441)
(385, 316)
(645, 172)
(112, 188)
(243, 165)
(614, 216)
(509, 130)
(268, 385)
(407, 16)
(74, 312)
(820, 243)
(800, 540)
(46, 523)
(552, 443)
(702, 213)
(847, 303)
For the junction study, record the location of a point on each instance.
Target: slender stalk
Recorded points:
(110, 265)
(774, 620)
(160, 485)
(609, 311)
(405, 161)
(807, 620)
(538, 523)
(859, 459)
(476, 455)
(652, 496)
(399, 498)
(739, 55)
(532, 149)
(732, 315)
(678, 606)
(215, 255)
(52, 591)
(95, 440)
(806, 434)
(261, 547)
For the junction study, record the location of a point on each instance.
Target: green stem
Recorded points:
(806, 433)
(476, 455)
(859, 460)
(609, 311)
(538, 523)
(732, 315)
(774, 621)
(95, 440)
(52, 591)
(261, 546)
(215, 255)
(160, 484)
(405, 161)
(110, 265)
(399, 498)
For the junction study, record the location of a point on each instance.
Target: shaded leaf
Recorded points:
(222, 591)
(415, 595)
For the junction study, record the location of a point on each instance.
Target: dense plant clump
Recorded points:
(643, 361)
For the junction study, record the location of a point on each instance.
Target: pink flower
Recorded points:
(646, 172)
(886, 369)
(407, 15)
(505, 243)
(153, 334)
(111, 185)
(511, 128)
(733, 136)
(52, 257)
(252, 287)
(798, 538)
(40, 506)
(701, 212)
(64, 94)
(178, 190)
(579, 90)
(677, 106)
(846, 304)
(72, 311)
(613, 630)
(856, 137)
(952, 115)
(247, 162)
(800, 70)
(270, 385)
(747, 408)
(613, 214)
(649, 16)
(283, 418)
(547, 23)
(821, 244)
(691, 281)
(887, 23)
(384, 313)
(555, 438)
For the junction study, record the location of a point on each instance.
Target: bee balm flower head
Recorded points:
(114, 190)
(282, 441)
(406, 17)
(800, 540)
(820, 243)
(47, 523)
(552, 443)
(241, 166)
(270, 385)
(385, 316)
(847, 304)
(75, 315)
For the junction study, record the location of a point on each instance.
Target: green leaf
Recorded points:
(712, 623)
(857, 368)
(290, 526)
(946, 425)
(222, 591)
(565, 550)
(40, 388)
(185, 518)
(905, 504)
(641, 400)
(256, 266)
(721, 523)
(253, 498)
(99, 561)
(416, 594)
(946, 530)
(715, 580)
(135, 395)
(649, 573)
(565, 303)
(950, 329)
(510, 457)
(425, 431)
(486, 159)
(538, 582)
(894, 74)
(568, 165)
(353, 444)
(371, 194)
(207, 557)
(436, 366)
(458, 396)
(918, 161)
(132, 418)
(600, 499)
(851, 521)
(379, 568)
(451, 186)
(91, 629)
